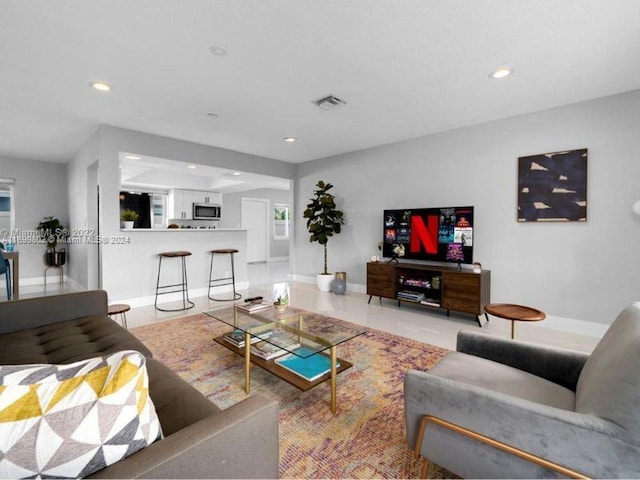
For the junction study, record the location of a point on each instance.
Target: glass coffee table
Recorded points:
(305, 340)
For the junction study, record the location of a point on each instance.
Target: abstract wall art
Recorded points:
(552, 187)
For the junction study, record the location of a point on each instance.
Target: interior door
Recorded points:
(254, 214)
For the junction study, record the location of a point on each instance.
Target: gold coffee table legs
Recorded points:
(334, 357)
(247, 362)
(334, 373)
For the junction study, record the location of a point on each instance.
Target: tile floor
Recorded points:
(430, 326)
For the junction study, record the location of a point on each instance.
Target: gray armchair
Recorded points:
(500, 408)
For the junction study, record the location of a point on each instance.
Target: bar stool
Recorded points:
(119, 309)
(215, 282)
(186, 303)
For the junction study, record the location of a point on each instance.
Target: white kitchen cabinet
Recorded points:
(206, 197)
(181, 202)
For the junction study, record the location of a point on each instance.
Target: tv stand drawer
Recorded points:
(381, 280)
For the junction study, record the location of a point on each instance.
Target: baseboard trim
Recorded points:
(136, 302)
(351, 287)
(278, 259)
(553, 322)
(301, 278)
(51, 280)
(26, 282)
(572, 325)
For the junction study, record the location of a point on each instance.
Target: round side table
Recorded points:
(515, 313)
(120, 309)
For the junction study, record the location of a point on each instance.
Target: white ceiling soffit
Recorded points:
(405, 68)
(163, 174)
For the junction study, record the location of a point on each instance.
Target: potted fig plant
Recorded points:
(51, 230)
(128, 217)
(323, 221)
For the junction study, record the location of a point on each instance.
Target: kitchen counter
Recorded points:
(130, 260)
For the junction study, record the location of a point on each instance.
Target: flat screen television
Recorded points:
(435, 234)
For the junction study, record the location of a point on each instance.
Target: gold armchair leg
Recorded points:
(491, 442)
(425, 469)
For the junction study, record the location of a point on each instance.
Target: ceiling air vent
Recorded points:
(330, 103)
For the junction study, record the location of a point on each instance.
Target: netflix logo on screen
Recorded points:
(436, 234)
(424, 234)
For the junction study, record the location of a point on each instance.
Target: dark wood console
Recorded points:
(427, 285)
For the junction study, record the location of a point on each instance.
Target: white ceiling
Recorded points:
(147, 172)
(406, 68)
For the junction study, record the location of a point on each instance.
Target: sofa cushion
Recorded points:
(501, 378)
(178, 403)
(74, 419)
(609, 384)
(68, 341)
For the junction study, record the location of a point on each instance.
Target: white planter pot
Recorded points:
(128, 224)
(324, 281)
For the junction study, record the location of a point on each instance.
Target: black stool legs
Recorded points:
(186, 303)
(215, 282)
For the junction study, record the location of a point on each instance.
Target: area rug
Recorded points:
(365, 438)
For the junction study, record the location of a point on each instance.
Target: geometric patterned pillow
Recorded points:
(68, 421)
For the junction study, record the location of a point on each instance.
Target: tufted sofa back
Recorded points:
(39, 311)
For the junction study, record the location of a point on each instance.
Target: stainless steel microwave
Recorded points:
(207, 211)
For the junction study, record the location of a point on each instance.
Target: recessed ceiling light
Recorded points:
(236, 173)
(103, 87)
(290, 139)
(217, 51)
(501, 72)
(192, 167)
(132, 157)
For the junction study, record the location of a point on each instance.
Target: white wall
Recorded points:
(585, 271)
(77, 179)
(40, 191)
(105, 145)
(231, 213)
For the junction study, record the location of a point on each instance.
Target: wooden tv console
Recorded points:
(442, 287)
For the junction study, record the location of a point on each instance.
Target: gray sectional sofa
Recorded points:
(200, 440)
